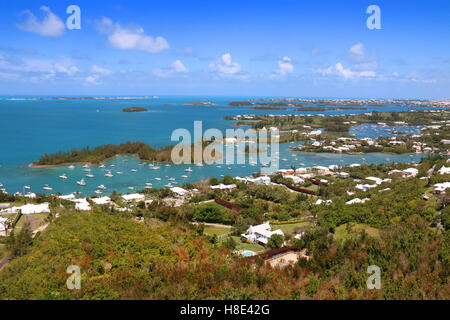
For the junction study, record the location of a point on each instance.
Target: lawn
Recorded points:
(34, 219)
(217, 231)
(2, 251)
(341, 232)
(246, 246)
(289, 227)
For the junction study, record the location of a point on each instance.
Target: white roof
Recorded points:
(102, 200)
(2, 226)
(223, 186)
(30, 208)
(441, 186)
(82, 204)
(179, 191)
(259, 228)
(134, 196)
(444, 170)
(68, 197)
(357, 200)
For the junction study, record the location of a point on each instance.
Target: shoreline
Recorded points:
(34, 165)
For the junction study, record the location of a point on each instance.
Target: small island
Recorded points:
(200, 103)
(134, 109)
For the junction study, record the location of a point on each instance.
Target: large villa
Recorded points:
(261, 233)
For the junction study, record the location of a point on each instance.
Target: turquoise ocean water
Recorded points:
(31, 128)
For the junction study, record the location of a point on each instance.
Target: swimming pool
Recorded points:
(247, 254)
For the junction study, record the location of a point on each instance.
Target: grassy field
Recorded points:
(246, 246)
(343, 232)
(2, 251)
(34, 219)
(289, 227)
(217, 231)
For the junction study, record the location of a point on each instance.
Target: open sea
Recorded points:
(30, 128)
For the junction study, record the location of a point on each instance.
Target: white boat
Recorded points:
(184, 176)
(71, 167)
(113, 165)
(188, 170)
(133, 170)
(119, 172)
(109, 175)
(148, 184)
(86, 166)
(219, 167)
(158, 179)
(150, 164)
(130, 188)
(63, 176)
(102, 166)
(87, 170)
(148, 187)
(169, 185)
(167, 165)
(81, 182)
(26, 187)
(90, 175)
(101, 187)
(1, 185)
(171, 179)
(98, 192)
(48, 188)
(199, 164)
(155, 168)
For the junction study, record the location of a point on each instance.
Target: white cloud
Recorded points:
(285, 66)
(131, 38)
(100, 70)
(92, 80)
(357, 50)
(176, 67)
(64, 66)
(50, 26)
(225, 66)
(339, 70)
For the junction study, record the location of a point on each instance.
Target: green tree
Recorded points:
(230, 243)
(275, 241)
(18, 245)
(228, 179)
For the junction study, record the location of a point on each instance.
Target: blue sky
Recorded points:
(226, 48)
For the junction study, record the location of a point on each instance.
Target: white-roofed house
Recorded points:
(82, 204)
(261, 233)
(102, 200)
(222, 186)
(179, 192)
(133, 197)
(444, 170)
(29, 209)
